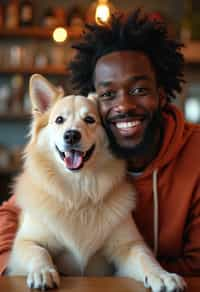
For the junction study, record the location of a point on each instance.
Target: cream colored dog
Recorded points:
(76, 203)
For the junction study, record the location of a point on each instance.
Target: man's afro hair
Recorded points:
(135, 32)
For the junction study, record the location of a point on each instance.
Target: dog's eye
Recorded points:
(89, 120)
(59, 120)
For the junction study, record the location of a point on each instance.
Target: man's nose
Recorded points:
(125, 102)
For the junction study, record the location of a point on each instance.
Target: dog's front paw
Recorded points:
(163, 281)
(43, 279)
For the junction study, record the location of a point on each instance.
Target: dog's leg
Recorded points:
(132, 257)
(29, 258)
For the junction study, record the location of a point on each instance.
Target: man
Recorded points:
(137, 71)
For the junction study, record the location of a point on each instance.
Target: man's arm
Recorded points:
(8, 225)
(189, 263)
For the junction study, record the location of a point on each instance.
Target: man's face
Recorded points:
(129, 101)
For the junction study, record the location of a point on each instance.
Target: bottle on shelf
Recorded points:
(5, 93)
(186, 23)
(12, 14)
(60, 16)
(17, 93)
(75, 16)
(49, 19)
(196, 20)
(26, 13)
(1, 16)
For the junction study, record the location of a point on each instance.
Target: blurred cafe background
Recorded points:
(36, 37)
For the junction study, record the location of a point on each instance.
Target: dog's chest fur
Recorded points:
(84, 231)
(85, 214)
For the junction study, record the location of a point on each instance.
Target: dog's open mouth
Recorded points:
(74, 159)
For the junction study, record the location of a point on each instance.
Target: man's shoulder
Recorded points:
(193, 133)
(191, 145)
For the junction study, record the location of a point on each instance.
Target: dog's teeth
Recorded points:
(67, 154)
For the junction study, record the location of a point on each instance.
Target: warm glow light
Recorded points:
(59, 34)
(102, 12)
(192, 109)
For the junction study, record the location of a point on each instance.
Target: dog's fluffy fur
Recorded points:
(76, 212)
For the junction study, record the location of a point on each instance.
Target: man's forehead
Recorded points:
(122, 65)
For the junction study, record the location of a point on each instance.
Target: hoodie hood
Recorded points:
(174, 138)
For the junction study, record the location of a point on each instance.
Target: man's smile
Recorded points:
(129, 128)
(124, 125)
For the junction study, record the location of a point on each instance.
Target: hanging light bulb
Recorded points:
(102, 13)
(60, 34)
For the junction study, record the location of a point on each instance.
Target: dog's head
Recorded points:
(67, 127)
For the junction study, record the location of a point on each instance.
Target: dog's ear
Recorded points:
(43, 93)
(93, 96)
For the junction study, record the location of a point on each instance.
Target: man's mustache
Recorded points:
(129, 115)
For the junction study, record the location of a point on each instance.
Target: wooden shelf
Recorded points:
(9, 170)
(191, 52)
(12, 117)
(38, 32)
(49, 70)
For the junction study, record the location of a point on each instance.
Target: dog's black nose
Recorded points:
(72, 137)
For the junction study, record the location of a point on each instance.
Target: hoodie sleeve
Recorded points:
(8, 226)
(189, 263)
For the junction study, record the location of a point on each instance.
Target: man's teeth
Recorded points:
(125, 125)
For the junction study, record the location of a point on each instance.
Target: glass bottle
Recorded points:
(186, 23)
(26, 13)
(12, 14)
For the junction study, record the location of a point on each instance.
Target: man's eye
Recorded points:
(107, 95)
(138, 91)
(59, 120)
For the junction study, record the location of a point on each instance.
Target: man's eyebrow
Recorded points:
(104, 83)
(132, 78)
(139, 77)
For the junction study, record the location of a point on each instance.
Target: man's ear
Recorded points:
(162, 97)
(42, 93)
(93, 96)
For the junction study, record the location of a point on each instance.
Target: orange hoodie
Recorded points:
(8, 226)
(169, 216)
(177, 184)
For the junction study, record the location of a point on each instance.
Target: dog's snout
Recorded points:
(72, 137)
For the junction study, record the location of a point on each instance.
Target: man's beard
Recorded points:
(149, 137)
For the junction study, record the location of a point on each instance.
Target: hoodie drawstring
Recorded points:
(156, 215)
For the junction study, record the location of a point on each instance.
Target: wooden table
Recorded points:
(108, 284)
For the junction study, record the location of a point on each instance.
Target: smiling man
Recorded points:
(137, 71)
(130, 105)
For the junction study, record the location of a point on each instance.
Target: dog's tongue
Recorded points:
(73, 159)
